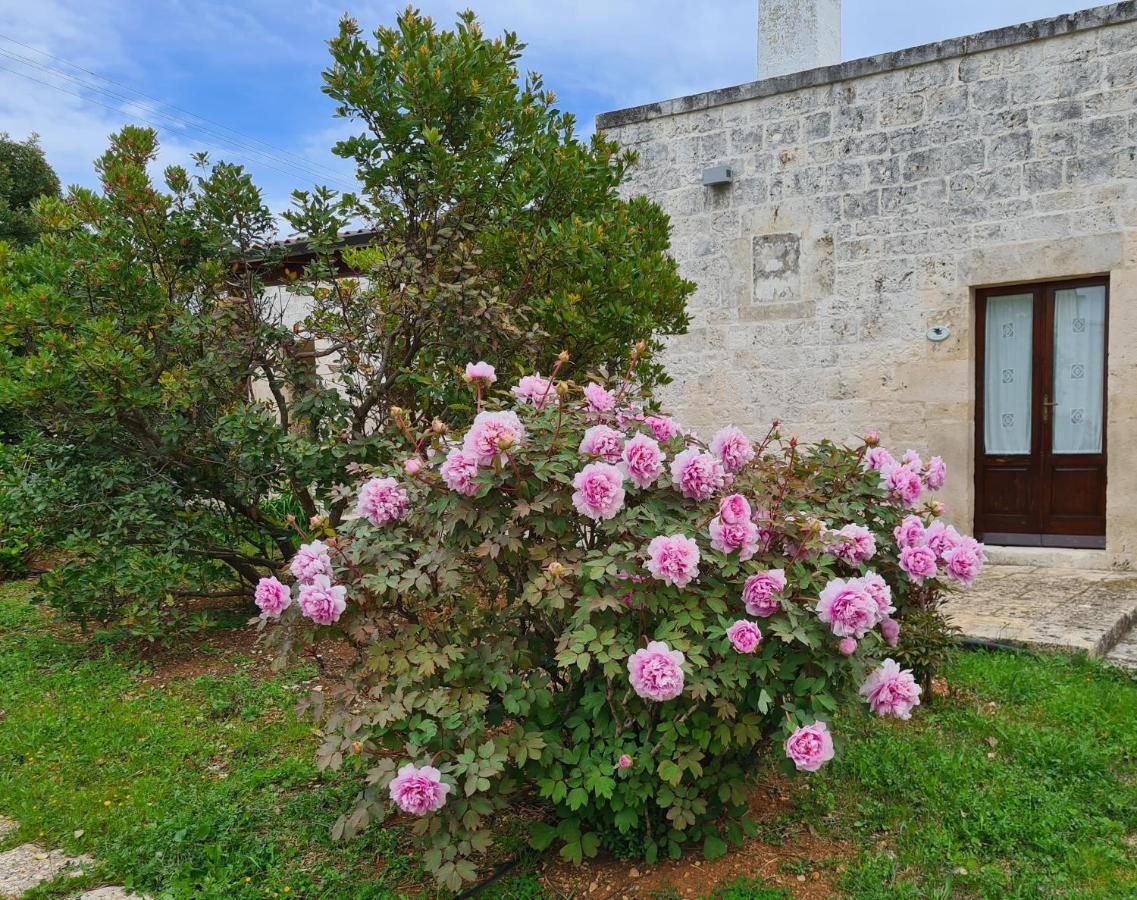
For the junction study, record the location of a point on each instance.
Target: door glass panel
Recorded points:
(1079, 369)
(1007, 374)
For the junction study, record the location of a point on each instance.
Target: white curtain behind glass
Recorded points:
(1007, 374)
(1079, 369)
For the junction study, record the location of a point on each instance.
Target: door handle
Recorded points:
(1046, 404)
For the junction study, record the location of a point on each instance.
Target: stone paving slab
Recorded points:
(109, 893)
(22, 868)
(1081, 609)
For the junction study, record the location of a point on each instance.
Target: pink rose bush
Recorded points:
(272, 597)
(697, 474)
(418, 791)
(731, 446)
(493, 436)
(381, 500)
(643, 460)
(890, 691)
(574, 581)
(744, 636)
(673, 559)
(599, 491)
(810, 746)
(603, 442)
(598, 399)
(732, 530)
(481, 373)
(656, 672)
(759, 590)
(321, 601)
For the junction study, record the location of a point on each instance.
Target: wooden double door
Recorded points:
(1040, 441)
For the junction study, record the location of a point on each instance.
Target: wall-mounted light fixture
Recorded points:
(716, 176)
(938, 333)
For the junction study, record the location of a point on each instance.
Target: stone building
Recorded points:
(938, 243)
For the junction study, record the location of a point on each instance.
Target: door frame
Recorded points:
(1041, 453)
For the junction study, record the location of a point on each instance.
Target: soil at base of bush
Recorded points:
(804, 863)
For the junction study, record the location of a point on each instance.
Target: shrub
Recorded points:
(139, 337)
(581, 600)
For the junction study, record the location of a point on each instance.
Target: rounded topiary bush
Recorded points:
(579, 601)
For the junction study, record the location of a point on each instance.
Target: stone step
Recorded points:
(23, 868)
(1124, 652)
(28, 865)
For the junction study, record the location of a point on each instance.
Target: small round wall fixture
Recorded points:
(938, 333)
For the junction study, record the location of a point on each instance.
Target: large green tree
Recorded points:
(189, 413)
(25, 176)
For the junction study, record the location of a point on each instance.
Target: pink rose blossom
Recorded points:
(734, 510)
(891, 691)
(272, 597)
(493, 434)
(742, 537)
(911, 460)
(673, 559)
(663, 428)
(534, 390)
(890, 631)
(877, 459)
(942, 537)
(656, 672)
(936, 476)
(419, 791)
(321, 601)
(604, 442)
(382, 501)
(963, 564)
(598, 399)
(910, 532)
(879, 590)
(643, 460)
(459, 471)
(412, 466)
(744, 636)
(902, 483)
(599, 491)
(919, 563)
(847, 646)
(856, 544)
(731, 446)
(759, 590)
(810, 747)
(847, 608)
(481, 372)
(697, 475)
(310, 561)
(625, 761)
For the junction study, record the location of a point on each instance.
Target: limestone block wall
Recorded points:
(870, 201)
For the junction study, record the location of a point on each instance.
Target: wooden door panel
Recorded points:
(1008, 490)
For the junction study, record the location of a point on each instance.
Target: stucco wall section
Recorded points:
(866, 209)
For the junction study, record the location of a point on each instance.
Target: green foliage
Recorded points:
(25, 176)
(750, 889)
(190, 417)
(497, 233)
(493, 633)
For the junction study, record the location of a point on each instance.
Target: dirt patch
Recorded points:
(802, 861)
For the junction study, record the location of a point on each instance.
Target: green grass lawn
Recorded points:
(1022, 784)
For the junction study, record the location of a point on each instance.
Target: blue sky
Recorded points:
(252, 67)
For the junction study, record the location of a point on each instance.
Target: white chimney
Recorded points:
(796, 35)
